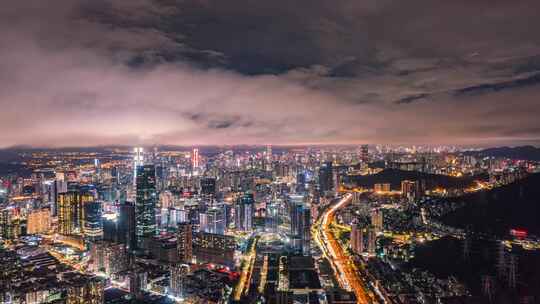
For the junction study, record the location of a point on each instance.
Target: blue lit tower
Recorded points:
(300, 215)
(146, 201)
(213, 221)
(93, 225)
(244, 212)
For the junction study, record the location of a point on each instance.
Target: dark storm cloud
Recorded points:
(76, 72)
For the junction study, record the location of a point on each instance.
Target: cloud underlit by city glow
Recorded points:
(83, 73)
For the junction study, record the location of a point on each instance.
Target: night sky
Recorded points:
(83, 73)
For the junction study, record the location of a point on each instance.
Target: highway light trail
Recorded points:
(346, 275)
(245, 276)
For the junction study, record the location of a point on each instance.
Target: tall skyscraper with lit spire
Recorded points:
(195, 160)
(138, 160)
(145, 204)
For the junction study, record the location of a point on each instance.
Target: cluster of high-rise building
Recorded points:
(158, 223)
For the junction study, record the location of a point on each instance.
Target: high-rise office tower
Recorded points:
(93, 225)
(326, 177)
(71, 211)
(336, 179)
(244, 212)
(177, 216)
(268, 158)
(38, 221)
(208, 186)
(272, 216)
(269, 153)
(212, 221)
(377, 219)
(115, 176)
(59, 187)
(364, 154)
(300, 182)
(305, 233)
(184, 245)
(296, 203)
(145, 205)
(357, 238)
(300, 215)
(138, 282)
(126, 226)
(110, 227)
(161, 176)
(138, 160)
(9, 224)
(195, 160)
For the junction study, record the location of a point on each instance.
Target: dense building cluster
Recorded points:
(245, 225)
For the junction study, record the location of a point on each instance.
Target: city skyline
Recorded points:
(208, 73)
(360, 224)
(269, 152)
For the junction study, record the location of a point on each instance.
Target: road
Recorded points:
(242, 286)
(346, 275)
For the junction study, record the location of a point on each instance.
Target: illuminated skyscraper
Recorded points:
(184, 239)
(336, 179)
(9, 224)
(93, 224)
(268, 158)
(326, 177)
(38, 221)
(272, 216)
(178, 276)
(71, 211)
(377, 219)
(364, 154)
(244, 212)
(269, 153)
(305, 233)
(145, 205)
(212, 221)
(138, 160)
(208, 186)
(59, 187)
(295, 203)
(357, 238)
(300, 215)
(195, 159)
